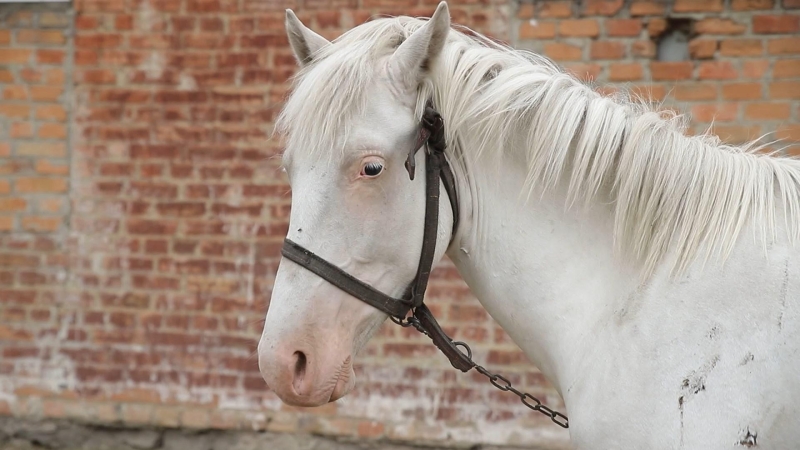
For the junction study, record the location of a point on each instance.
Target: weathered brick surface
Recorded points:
(142, 210)
(734, 41)
(33, 143)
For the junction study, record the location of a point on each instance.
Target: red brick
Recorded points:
(6, 76)
(21, 130)
(563, 52)
(12, 166)
(716, 25)
(623, 27)
(153, 190)
(122, 96)
(18, 260)
(153, 41)
(52, 131)
(47, 56)
(85, 22)
(776, 24)
(585, 72)
(86, 57)
(55, 76)
(736, 134)
(102, 6)
(742, 91)
(791, 4)
(96, 76)
(31, 75)
(625, 72)
(41, 223)
(142, 226)
(554, 10)
(784, 89)
(12, 204)
(702, 48)
(696, 91)
(46, 93)
(644, 49)
(602, 7)
(525, 11)
(20, 111)
(784, 46)
(51, 112)
(181, 209)
(741, 47)
(123, 22)
(791, 132)
(683, 6)
(786, 68)
(54, 20)
(212, 24)
(647, 8)
(671, 70)
(6, 222)
(715, 112)
(754, 68)
(541, 30)
(34, 184)
(750, 5)
(15, 55)
(11, 333)
(656, 26)
(607, 50)
(20, 18)
(15, 92)
(44, 37)
(767, 111)
(97, 40)
(5, 37)
(717, 70)
(51, 205)
(45, 167)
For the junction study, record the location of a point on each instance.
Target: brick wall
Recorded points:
(144, 304)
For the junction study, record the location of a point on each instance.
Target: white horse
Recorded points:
(651, 276)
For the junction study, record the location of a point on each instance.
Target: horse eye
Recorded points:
(372, 169)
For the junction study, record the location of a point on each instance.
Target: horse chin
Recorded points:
(345, 383)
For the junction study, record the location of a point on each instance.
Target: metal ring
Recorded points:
(466, 347)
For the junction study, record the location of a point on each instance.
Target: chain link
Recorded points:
(500, 382)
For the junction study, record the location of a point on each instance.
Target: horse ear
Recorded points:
(417, 53)
(304, 42)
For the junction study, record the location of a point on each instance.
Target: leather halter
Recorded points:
(431, 133)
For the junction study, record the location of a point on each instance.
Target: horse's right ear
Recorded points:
(416, 54)
(304, 42)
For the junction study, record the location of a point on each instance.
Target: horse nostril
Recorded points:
(299, 370)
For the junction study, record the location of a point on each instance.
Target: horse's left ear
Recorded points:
(304, 42)
(417, 53)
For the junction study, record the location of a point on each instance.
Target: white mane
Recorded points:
(670, 191)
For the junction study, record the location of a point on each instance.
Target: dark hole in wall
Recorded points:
(673, 43)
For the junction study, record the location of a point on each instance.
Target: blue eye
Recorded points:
(372, 169)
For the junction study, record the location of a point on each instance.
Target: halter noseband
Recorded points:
(431, 134)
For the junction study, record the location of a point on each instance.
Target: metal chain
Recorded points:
(500, 382)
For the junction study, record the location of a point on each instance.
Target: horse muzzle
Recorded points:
(306, 376)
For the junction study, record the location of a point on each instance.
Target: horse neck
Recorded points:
(547, 274)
